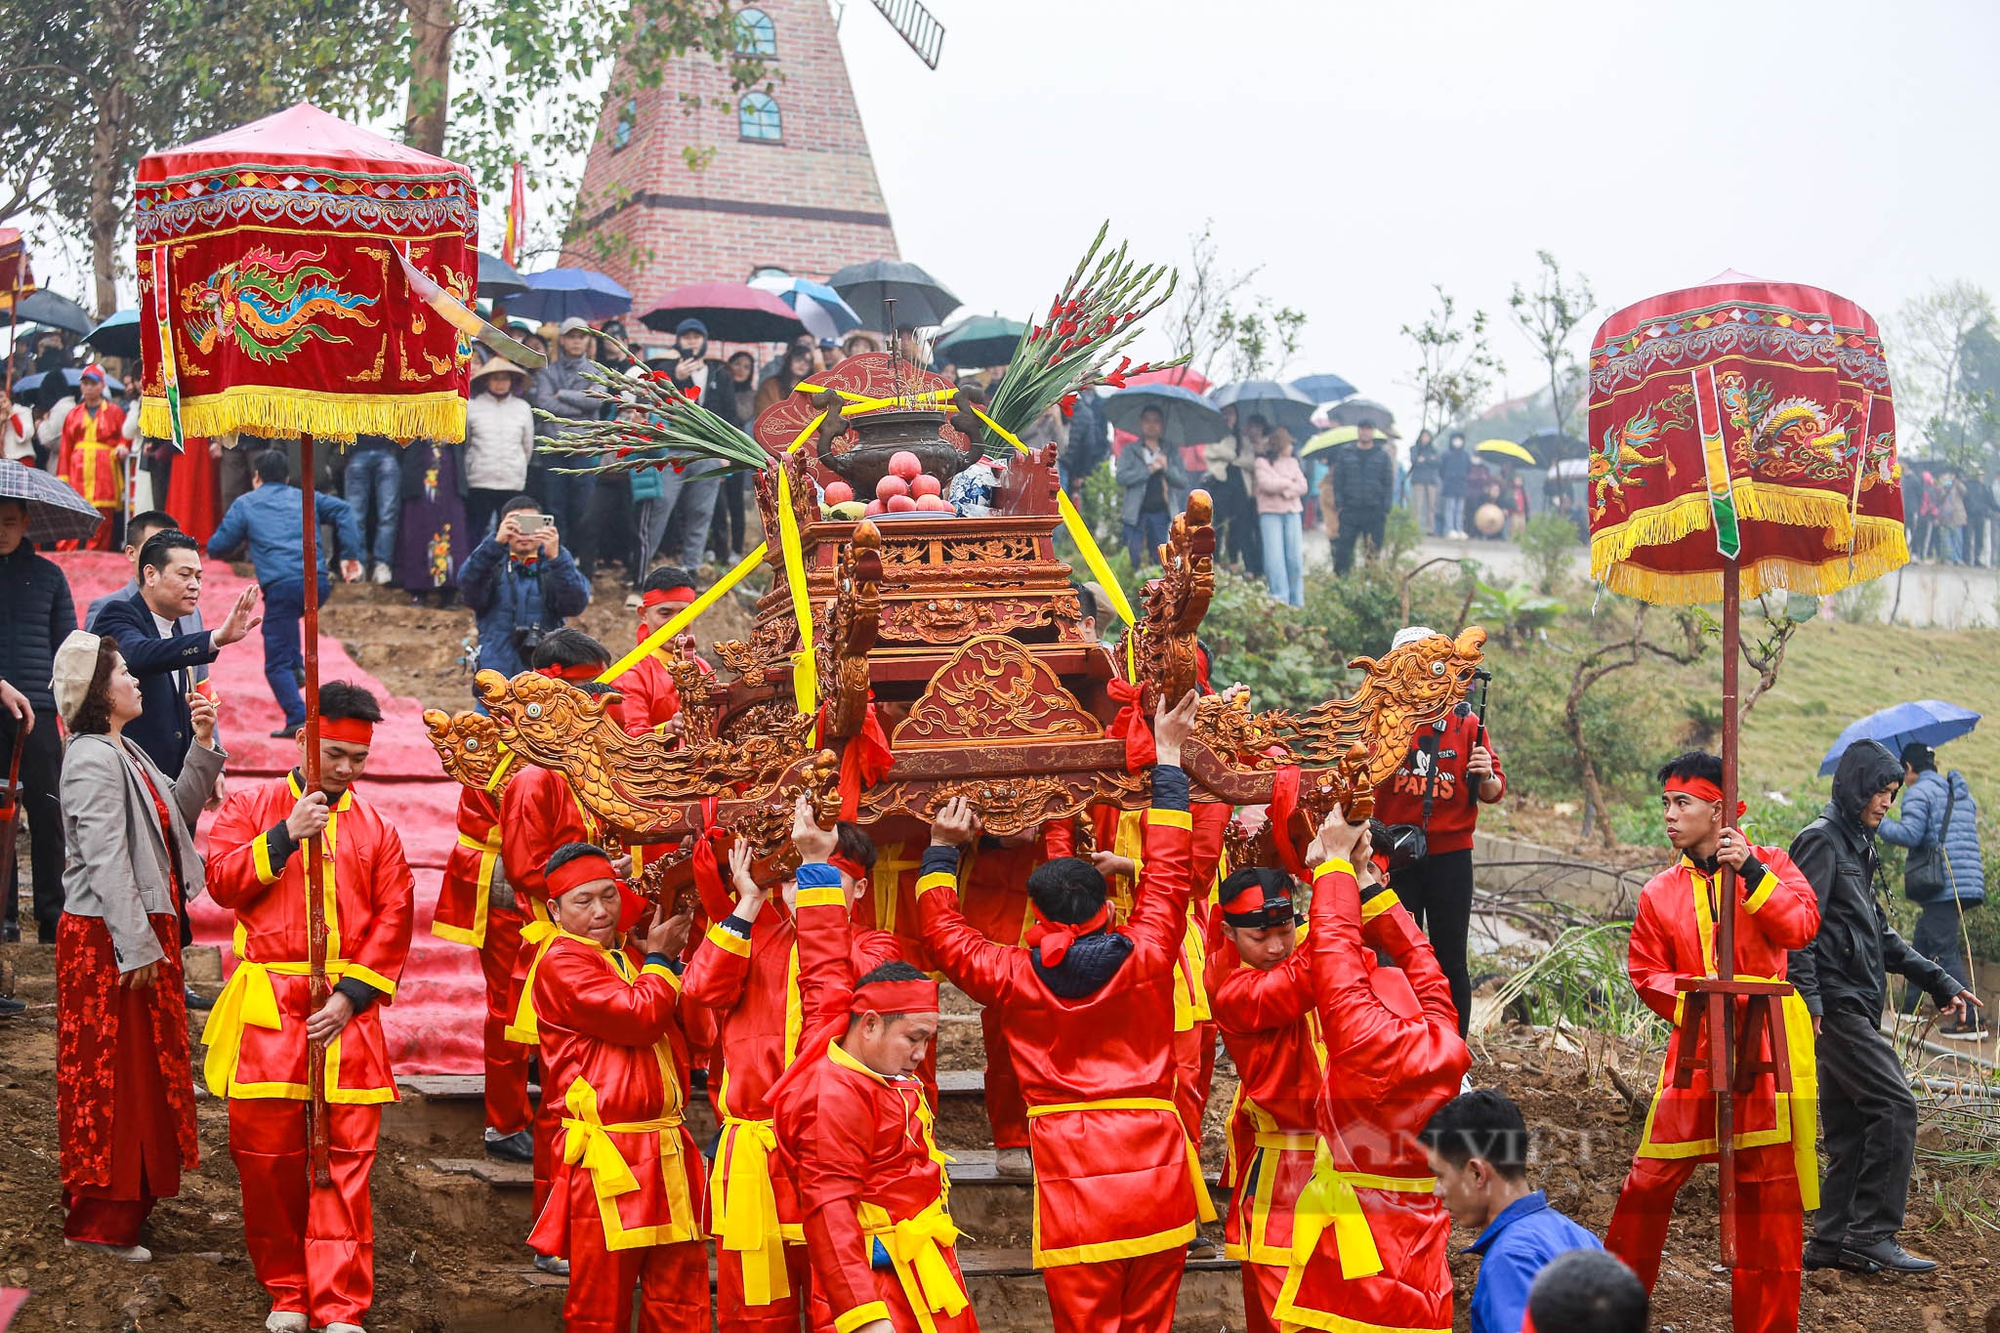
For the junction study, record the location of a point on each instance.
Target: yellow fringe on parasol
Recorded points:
(288, 413)
(1879, 547)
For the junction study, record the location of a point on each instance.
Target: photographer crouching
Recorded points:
(520, 583)
(1431, 805)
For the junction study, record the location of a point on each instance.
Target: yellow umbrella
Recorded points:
(1506, 447)
(1328, 439)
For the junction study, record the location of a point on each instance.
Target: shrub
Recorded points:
(1546, 542)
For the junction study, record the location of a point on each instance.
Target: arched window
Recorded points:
(757, 118)
(628, 116)
(756, 35)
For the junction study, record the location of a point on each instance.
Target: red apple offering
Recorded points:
(901, 504)
(905, 464)
(934, 503)
(838, 492)
(926, 484)
(874, 508)
(891, 486)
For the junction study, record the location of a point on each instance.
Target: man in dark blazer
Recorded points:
(157, 653)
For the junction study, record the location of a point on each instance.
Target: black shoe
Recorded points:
(516, 1147)
(1819, 1255)
(196, 1000)
(10, 933)
(1885, 1256)
(9, 1006)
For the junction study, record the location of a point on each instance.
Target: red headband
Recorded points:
(576, 675)
(852, 868)
(1054, 938)
(895, 997)
(668, 597)
(1702, 790)
(583, 870)
(350, 730)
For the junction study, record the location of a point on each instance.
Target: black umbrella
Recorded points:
(732, 312)
(1279, 405)
(1361, 412)
(56, 512)
(117, 336)
(983, 340)
(921, 300)
(499, 279)
(57, 312)
(1551, 445)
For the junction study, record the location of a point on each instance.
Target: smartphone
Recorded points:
(535, 522)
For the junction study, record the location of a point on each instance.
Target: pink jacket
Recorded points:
(1280, 485)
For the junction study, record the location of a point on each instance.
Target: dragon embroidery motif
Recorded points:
(270, 305)
(1624, 450)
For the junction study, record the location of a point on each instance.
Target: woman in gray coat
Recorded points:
(124, 1090)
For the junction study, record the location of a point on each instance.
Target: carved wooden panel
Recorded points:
(991, 690)
(956, 619)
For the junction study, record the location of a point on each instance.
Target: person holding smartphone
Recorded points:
(520, 583)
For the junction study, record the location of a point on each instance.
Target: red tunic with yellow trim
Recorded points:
(613, 1054)
(256, 1033)
(651, 697)
(1673, 936)
(538, 813)
(860, 1151)
(1099, 1070)
(89, 457)
(465, 896)
(1270, 1027)
(1370, 1249)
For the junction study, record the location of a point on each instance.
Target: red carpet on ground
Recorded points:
(434, 1025)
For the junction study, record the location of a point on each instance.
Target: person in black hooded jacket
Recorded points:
(1865, 1103)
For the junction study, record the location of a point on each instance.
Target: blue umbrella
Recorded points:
(1279, 404)
(1190, 418)
(558, 293)
(1324, 388)
(818, 306)
(1929, 721)
(118, 335)
(72, 376)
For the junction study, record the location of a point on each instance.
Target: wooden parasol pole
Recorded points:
(1722, 1004)
(317, 875)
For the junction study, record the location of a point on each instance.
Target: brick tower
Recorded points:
(791, 184)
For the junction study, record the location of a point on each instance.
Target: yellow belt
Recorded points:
(1329, 1200)
(587, 1139)
(1288, 1140)
(1204, 1206)
(746, 1211)
(916, 1247)
(248, 999)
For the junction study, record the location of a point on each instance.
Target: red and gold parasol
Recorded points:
(273, 296)
(1742, 438)
(1765, 402)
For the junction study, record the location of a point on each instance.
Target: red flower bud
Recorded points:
(1068, 404)
(691, 393)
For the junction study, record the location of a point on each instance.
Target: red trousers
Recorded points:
(1005, 1108)
(672, 1279)
(780, 1316)
(1764, 1291)
(1261, 1284)
(1194, 1073)
(105, 1221)
(313, 1249)
(507, 1109)
(548, 1147)
(1117, 1296)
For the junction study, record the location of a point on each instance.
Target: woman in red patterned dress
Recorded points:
(124, 1089)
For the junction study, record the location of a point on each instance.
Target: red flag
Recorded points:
(517, 213)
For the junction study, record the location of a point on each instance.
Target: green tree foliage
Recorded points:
(1547, 543)
(1943, 352)
(1549, 314)
(1455, 366)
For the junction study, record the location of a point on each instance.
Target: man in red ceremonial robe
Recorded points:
(652, 700)
(313, 1249)
(1369, 1235)
(1088, 1016)
(1260, 992)
(1777, 1167)
(629, 1202)
(854, 1129)
(93, 454)
(747, 971)
(468, 913)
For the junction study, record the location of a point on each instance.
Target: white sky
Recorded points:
(1360, 152)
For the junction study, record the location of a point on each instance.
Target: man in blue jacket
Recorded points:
(1945, 875)
(160, 652)
(268, 518)
(1478, 1149)
(520, 583)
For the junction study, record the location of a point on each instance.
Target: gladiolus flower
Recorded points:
(1068, 404)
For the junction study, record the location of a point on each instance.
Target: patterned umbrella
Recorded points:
(733, 312)
(817, 305)
(56, 512)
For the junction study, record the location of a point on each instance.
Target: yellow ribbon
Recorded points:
(1079, 532)
(1204, 1206)
(587, 1139)
(526, 1029)
(862, 403)
(747, 1220)
(1329, 1199)
(805, 671)
(916, 1247)
(249, 1000)
(660, 637)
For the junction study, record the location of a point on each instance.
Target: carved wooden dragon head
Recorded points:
(468, 745)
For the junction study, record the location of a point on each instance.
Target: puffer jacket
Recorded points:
(36, 609)
(1846, 965)
(1922, 825)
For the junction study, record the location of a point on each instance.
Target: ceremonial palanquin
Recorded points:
(946, 653)
(273, 291)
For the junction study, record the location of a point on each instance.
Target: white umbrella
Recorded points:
(819, 307)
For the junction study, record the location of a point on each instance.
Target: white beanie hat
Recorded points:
(75, 665)
(1410, 634)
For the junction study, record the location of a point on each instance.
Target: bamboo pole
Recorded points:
(317, 875)
(1721, 1005)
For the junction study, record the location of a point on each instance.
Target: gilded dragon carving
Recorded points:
(1164, 639)
(850, 631)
